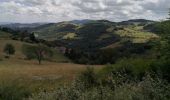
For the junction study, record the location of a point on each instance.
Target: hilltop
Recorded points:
(94, 33)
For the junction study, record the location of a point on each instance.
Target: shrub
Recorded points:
(147, 89)
(88, 77)
(132, 68)
(9, 49)
(162, 68)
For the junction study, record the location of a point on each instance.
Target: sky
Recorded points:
(30, 11)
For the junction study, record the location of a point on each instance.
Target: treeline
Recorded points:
(108, 55)
(22, 35)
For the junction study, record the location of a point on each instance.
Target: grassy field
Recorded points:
(36, 77)
(46, 76)
(69, 36)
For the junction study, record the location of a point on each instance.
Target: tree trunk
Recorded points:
(39, 61)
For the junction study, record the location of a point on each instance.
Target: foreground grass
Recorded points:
(37, 77)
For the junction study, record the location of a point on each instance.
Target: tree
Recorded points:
(169, 14)
(162, 65)
(39, 52)
(32, 37)
(23, 35)
(9, 49)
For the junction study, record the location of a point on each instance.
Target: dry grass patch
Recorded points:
(46, 76)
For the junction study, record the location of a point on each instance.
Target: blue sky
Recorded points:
(29, 11)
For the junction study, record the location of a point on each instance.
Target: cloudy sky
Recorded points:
(28, 11)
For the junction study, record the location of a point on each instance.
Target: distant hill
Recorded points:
(89, 42)
(93, 33)
(4, 23)
(85, 21)
(159, 28)
(136, 21)
(21, 25)
(80, 21)
(90, 34)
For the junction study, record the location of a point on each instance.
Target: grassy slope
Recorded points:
(56, 31)
(57, 57)
(4, 35)
(132, 32)
(17, 44)
(69, 36)
(136, 34)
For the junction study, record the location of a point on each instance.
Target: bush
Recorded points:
(162, 68)
(132, 68)
(147, 89)
(88, 77)
(9, 49)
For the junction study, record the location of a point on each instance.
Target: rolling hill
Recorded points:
(95, 34)
(136, 22)
(89, 35)
(21, 26)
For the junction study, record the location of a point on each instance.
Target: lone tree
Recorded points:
(9, 49)
(39, 52)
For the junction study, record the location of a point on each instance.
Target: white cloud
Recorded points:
(60, 10)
